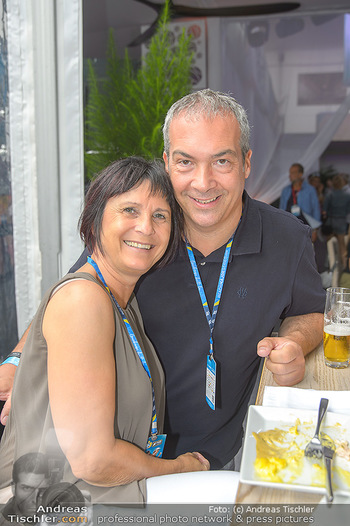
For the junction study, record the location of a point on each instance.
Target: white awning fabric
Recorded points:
(46, 143)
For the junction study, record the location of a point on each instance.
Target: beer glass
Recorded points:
(336, 332)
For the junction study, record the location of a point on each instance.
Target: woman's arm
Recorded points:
(79, 329)
(7, 376)
(7, 372)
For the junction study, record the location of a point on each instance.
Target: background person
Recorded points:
(337, 208)
(97, 387)
(315, 181)
(300, 197)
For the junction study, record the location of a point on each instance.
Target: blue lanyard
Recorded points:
(211, 317)
(136, 345)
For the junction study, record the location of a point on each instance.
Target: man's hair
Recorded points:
(209, 104)
(30, 463)
(120, 177)
(299, 166)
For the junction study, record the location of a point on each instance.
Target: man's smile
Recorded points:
(205, 201)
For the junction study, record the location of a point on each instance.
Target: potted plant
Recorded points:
(125, 111)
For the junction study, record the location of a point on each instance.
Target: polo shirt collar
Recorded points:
(248, 237)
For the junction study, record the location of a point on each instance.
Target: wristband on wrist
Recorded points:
(12, 358)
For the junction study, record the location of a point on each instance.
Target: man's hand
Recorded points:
(285, 359)
(298, 335)
(7, 374)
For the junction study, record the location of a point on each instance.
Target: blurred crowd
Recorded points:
(334, 197)
(322, 202)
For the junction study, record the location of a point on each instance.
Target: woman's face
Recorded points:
(135, 231)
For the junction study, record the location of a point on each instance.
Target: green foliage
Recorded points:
(125, 111)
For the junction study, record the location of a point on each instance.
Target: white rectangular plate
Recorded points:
(261, 418)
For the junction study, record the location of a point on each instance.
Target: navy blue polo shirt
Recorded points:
(271, 275)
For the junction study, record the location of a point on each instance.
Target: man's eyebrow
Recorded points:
(183, 154)
(214, 156)
(225, 152)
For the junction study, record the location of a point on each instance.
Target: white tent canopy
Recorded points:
(46, 150)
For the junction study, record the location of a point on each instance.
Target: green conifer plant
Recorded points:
(125, 111)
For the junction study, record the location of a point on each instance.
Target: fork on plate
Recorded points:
(315, 448)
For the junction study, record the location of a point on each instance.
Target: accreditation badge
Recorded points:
(210, 381)
(296, 211)
(155, 445)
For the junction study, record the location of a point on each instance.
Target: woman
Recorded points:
(89, 388)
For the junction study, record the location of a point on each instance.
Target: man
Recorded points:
(300, 197)
(211, 357)
(30, 477)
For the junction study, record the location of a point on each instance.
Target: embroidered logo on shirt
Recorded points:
(242, 292)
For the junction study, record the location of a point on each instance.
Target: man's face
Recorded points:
(206, 169)
(26, 492)
(295, 174)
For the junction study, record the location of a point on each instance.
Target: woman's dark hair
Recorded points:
(120, 177)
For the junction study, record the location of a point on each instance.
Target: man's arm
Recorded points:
(7, 375)
(307, 330)
(286, 353)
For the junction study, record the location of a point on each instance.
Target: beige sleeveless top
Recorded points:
(30, 427)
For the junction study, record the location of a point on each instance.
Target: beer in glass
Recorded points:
(336, 332)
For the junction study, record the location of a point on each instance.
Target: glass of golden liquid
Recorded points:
(336, 332)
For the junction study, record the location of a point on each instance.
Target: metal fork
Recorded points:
(314, 448)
